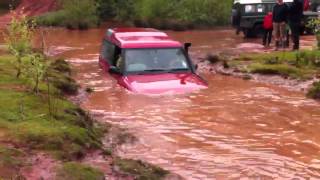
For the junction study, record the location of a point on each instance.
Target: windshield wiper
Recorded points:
(156, 70)
(180, 69)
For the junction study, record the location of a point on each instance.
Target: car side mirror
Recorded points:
(114, 70)
(187, 46)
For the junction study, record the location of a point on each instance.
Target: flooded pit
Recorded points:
(234, 129)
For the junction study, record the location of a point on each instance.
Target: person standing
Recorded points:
(295, 14)
(280, 13)
(268, 28)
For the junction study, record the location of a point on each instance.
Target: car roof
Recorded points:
(258, 1)
(140, 38)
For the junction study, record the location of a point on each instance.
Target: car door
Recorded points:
(107, 52)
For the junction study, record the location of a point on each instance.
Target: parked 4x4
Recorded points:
(147, 61)
(247, 15)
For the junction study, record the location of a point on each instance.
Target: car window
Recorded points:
(139, 60)
(255, 8)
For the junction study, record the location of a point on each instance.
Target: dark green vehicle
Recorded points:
(248, 15)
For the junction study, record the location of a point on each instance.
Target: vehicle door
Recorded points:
(106, 55)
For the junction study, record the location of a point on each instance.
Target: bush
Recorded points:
(76, 14)
(314, 92)
(52, 18)
(81, 14)
(59, 74)
(167, 14)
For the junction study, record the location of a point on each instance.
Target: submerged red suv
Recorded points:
(147, 61)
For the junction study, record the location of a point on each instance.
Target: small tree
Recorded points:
(36, 69)
(18, 37)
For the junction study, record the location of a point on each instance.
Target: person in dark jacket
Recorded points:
(295, 14)
(280, 13)
(268, 28)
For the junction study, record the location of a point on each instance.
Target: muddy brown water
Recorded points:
(235, 129)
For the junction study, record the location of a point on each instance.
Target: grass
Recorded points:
(303, 65)
(77, 171)
(140, 170)
(283, 70)
(25, 117)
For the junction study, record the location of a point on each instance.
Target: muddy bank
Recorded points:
(234, 62)
(288, 83)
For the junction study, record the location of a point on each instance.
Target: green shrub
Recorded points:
(80, 14)
(52, 18)
(59, 74)
(76, 14)
(314, 92)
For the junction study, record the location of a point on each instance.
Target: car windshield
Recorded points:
(155, 60)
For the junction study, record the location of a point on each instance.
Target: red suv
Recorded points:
(148, 61)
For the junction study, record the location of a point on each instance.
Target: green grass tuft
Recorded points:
(77, 171)
(140, 170)
(278, 69)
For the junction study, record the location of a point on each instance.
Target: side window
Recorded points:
(118, 59)
(250, 8)
(107, 51)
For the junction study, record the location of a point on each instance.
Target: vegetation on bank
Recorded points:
(44, 121)
(74, 14)
(297, 65)
(300, 65)
(162, 14)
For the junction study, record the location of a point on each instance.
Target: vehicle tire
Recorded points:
(249, 33)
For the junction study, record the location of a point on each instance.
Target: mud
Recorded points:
(287, 83)
(40, 166)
